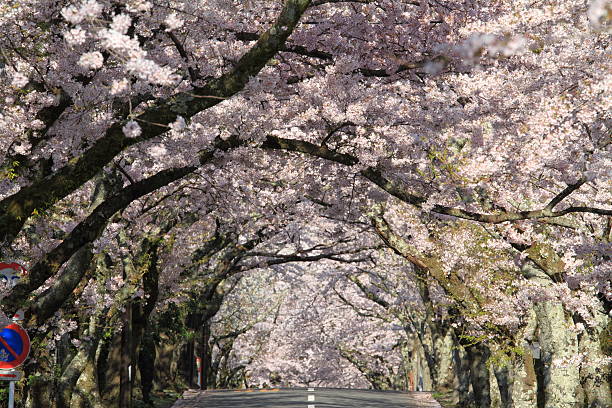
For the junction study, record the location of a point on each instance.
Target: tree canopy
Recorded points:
(398, 172)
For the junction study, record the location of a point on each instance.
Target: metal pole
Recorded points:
(11, 394)
(205, 360)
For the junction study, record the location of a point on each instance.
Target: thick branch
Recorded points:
(92, 227)
(566, 192)
(17, 208)
(452, 285)
(52, 299)
(368, 293)
(86, 232)
(301, 50)
(279, 259)
(399, 191)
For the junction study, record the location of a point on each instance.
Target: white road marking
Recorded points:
(311, 398)
(311, 389)
(311, 406)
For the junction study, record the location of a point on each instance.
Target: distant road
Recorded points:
(305, 398)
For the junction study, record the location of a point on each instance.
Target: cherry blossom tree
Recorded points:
(471, 139)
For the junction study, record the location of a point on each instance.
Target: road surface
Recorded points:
(305, 398)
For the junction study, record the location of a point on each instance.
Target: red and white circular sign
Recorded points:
(14, 346)
(11, 273)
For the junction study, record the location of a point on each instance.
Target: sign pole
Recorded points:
(11, 394)
(14, 340)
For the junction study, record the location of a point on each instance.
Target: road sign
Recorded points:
(11, 273)
(14, 346)
(11, 375)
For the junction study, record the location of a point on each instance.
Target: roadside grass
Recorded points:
(444, 398)
(161, 399)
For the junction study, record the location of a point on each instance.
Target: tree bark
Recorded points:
(502, 375)
(206, 357)
(125, 387)
(146, 364)
(73, 371)
(560, 383)
(479, 374)
(17, 208)
(596, 344)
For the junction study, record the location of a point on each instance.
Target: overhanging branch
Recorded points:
(17, 208)
(401, 192)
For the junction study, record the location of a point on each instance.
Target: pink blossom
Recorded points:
(75, 36)
(119, 87)
(91, 60)
(19, 80)
(173, 22)
(132, 129)
(121, 23)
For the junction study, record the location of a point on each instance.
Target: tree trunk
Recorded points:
(86, 392)
(40, 390)
(504, 384)
(524, 383)
(125, 388)
(479, 374)
(595, 344)
(560, 382)
(206, 357)
(146, 364)
(78, 364)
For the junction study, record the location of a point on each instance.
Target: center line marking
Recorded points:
(311, 398)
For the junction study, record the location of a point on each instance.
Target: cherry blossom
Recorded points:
(132, 129)
(362, 189)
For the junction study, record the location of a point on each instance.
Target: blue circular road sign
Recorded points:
(14, 346)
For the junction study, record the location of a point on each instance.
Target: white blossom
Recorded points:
(138, 6)
(600, 12)
(72, 14)
(19, 80)
(157, 152)
(91, 60)
(120, 43)
(173, 22)
(179, 124)
(75, 36)
(132, 129)
(119, 86)
(121, 23)
(150, 71)
(91, 9)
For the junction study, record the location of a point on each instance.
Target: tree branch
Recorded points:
(283, 259)
(392, 187)
(566, 192)
(368, 293)
(86, 232)
(321, 2)
(193, 75)
(17, 208)
(357, 309)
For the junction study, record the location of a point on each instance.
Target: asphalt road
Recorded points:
(306, 398)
